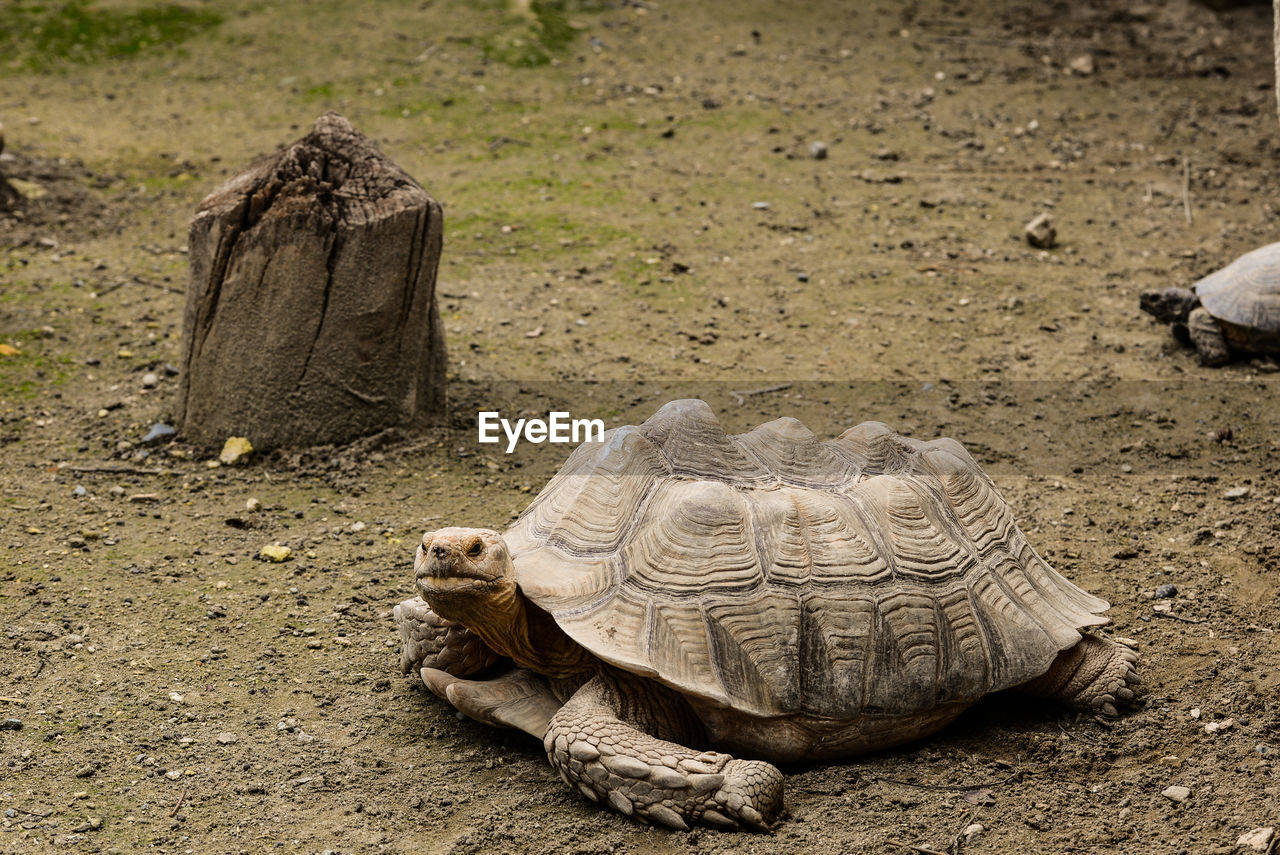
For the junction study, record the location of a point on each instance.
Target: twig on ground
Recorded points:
(13, 700)
(182, 798)
(743, 394)
(498, 142)
(33, 813)
(113, 470)
(1172, 616)
(951, 787)
(923, 850)
(1186, 188)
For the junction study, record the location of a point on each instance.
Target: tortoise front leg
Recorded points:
(518, 698)
(428, 640)
(1206, 335)
(602, 742)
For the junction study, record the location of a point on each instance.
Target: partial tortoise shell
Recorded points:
(1246, 296)
(775, 575)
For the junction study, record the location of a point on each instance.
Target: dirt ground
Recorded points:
(635, 212)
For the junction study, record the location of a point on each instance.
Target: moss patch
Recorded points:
(40, 36)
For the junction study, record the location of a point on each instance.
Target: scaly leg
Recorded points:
(1206, 335)
(603, 742)
(1093, 676)
(428, 640)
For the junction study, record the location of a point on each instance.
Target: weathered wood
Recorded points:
(310, 313)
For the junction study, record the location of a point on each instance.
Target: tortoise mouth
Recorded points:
(442, 568)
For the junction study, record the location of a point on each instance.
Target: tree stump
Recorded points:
(310, 314)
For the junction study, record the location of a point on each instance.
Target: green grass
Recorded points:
(534, 39)
(42, 36)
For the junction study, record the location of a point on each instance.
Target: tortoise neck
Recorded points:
(514, 627)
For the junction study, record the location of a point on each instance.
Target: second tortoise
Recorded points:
(1235, 310)
(676, 596)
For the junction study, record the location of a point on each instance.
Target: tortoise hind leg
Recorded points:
(1093, 676)
(1206, 335)
(601, 742)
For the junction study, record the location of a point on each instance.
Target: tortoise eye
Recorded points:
(475, 549)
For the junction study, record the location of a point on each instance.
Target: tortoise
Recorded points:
(675, 594)
(1232, 310)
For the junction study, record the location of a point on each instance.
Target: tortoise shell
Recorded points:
(1245, 297)
(775, 575)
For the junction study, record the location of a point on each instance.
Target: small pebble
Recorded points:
(253, 505)
(974, 830)
(1166, 591)
(818, 150)
(79, 491)
(176, 698)
(1258, 840)
(150, 380)
(1236, 493)
(275, 553)
(11, 724)
(235, 450)
(1215, 726)
(1040, 232)
(1177, 793)
(85, 772)
(159, 430)
(1082, 65)
(760, 206)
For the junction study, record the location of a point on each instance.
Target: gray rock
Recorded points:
(158, 431)
(1257, 840)
(1040, 232)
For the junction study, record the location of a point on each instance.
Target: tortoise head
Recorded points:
(1169, 305)
(465, 574)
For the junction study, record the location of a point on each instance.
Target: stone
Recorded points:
(158, 431)
(1177, 793)
(1257, 840)
(1040, 232)
(1082, 65)
(275, 553)
(235, 450)
(1166, 591)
